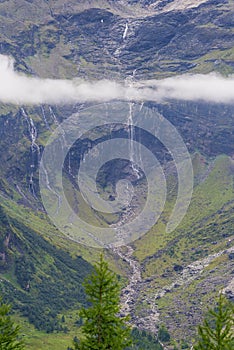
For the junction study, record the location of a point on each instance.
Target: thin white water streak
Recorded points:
(34, 149)
(44, 117)
(131, 129)
(59, 200)
(125, 31)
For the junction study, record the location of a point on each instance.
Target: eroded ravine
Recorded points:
(132, 292)
(134, 295)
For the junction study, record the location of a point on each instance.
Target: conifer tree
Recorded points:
(103, 328)
(9, 333)
(217, 332)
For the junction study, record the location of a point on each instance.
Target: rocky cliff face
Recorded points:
(122, 40)
(67, 40)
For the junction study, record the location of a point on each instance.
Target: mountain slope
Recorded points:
(40, 280)
(41, 270)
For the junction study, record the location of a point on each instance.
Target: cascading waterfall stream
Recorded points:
(36, 153)
(125, 31)
(131, 294)
(132, 291)
(44, 118)
(63, 145)
(63, 139)
(131, 132)
(56, 122)
(59, 200)
(35, 149)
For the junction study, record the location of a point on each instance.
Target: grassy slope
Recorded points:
(213, 196)
(35, 339)
(206, 229)
(209, 196)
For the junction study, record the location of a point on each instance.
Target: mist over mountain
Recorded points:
(144, 62)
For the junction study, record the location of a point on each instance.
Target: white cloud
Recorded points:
(209, 87)
(17, 88)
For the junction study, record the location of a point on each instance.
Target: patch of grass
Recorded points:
(35, 339)
(209, 197)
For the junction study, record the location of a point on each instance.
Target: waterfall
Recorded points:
(33, 134)
(62, 132)
(62, 139)
(131, 133)
(59, 200)
(125, 31)
(42, 166)
(56, 122)
(35, 149)
(132, 153)
(32, 131)
(44, 117)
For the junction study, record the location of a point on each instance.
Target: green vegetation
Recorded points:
(211, 207)
(102, 327)
(163, 334)
(217, 332)
(41, 270)
(206, 229)
(144, 340)
(40, 289)
(9, 332)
